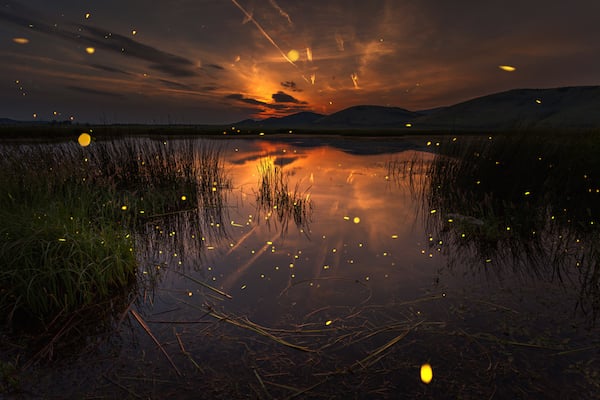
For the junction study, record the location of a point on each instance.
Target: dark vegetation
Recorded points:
(525, 205)
(489, 200)
(74, 218)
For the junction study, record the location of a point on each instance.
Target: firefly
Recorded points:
(507, 68)
(426, 373)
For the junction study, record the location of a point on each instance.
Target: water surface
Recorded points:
(346, 282)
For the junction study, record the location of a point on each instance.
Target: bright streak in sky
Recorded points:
(507, 68)
(250, 17)
(309, 55)
(354, 78)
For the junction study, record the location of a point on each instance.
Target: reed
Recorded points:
(74, 218)
(277, 197)
(524, 204)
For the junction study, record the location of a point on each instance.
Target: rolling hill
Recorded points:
(576, 107)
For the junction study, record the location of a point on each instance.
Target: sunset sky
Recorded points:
(221, 61)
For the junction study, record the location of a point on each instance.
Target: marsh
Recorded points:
(299, 267)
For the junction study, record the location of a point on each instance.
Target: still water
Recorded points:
(330, 268)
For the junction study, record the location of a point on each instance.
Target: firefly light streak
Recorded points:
(281, 12)
(250, 18)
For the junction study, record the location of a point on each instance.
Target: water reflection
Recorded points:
(312, 267)
(495, 219)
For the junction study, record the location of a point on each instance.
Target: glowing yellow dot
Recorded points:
(426, 373)
(184, 198)
(293, 55)
(328, 322)
(134, 32)
(507, 68)
(90, 50)
(408, 125)
(20, 40)
(538, 101)
(356, 220)
(87, 15)
(84, 139)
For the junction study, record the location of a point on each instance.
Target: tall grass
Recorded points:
(276, 197)
(525, 203)
(74, 219)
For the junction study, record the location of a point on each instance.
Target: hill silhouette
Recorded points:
(576, 107)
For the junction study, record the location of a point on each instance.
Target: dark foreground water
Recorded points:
(337, 269)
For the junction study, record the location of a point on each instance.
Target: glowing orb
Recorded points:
(293, 55)
(426, 373)
(21, 40)
(356, 220)
(507, 68)
(84, 139)
(90, 50)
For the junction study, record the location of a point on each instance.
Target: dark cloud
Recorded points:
(240, 97)
(281, 97)
(95, 92)
(90, 36)
(175, 85)
(277, 106)
(159, 60)
(215, 66)
(109, 69)
(291, 85)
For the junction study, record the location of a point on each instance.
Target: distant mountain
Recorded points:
(567, 107)
(8, 121)
(368, 116)
(575, 107)
(302, 119)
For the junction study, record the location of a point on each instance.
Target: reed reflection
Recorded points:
(275, 197)
(519, 206)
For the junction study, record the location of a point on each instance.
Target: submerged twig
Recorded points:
(206, 285)
(187, 353)
(367, 361)
(258, 329)
(262, 384)
(160, 346)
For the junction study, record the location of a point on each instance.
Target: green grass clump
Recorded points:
(73, 218)
(60, 250)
